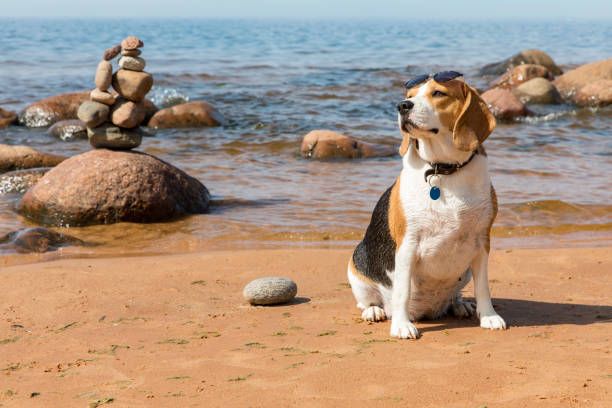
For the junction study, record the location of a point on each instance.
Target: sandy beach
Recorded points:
(175, 331)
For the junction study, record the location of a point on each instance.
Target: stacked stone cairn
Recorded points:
(113, 117)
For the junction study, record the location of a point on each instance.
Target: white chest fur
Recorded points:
(445, 234)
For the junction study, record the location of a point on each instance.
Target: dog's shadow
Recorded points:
(525, 313)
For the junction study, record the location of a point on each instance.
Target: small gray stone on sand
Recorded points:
(270, 291)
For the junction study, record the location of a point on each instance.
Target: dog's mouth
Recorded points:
(408, 125)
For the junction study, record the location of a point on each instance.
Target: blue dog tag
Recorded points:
(434, 193)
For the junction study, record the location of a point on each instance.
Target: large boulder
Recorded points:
(7, 118)
(24, 157)
(520, 74)
(537, 57)
(187, 115)
(326, 144)
(504, 104)
(598, 93)
(570, 83)
(47, 111)
(104, 186)
(538, 91)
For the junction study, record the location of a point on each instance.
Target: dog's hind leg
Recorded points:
(369, 298)
(459, 307)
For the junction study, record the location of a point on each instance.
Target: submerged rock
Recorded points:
(68, 130)
(7, 118)
(326, 144)
(537, 57)
(104, 186)
(24, 157)
(38, 240)
(538, 91)
(187, 115)
(19, 181)
(598, 93)
(47, 111)
(504, 105)
(572, 82)
(270, 291)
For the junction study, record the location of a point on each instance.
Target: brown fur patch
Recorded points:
(494, 202)
(397, 220)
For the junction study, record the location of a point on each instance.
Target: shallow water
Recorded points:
(275, 81)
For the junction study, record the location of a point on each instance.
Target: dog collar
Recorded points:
(443, 169)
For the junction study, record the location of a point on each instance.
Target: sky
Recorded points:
(314, 9)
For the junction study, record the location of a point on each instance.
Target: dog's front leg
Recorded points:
(401, 326)
(489, 319)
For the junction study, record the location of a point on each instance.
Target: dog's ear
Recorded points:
(474, 123)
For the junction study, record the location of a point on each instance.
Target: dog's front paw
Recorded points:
(492, 322)
(404, 330)
(374, 314)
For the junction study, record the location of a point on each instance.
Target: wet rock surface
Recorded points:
(187, 115)
(19, 181)
(69, 130)
(24, 157)
(326, 144)
(104, 186)
(537, 57)
(7, 118)
(38, 239)
(572, 83)
(47, 111)
(504, 105)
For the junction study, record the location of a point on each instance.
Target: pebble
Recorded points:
(131, 53)
(104, 97)
(93, 113)
(270, 291)
(112, 52)
(131, 43)
(127, 114)
(104, 75)
(132, 63)
(114, 138)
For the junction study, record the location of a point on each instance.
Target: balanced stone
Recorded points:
(93, 113)
(104, 97)
(128, 114)
(131, 53)
(112, 52)
(131, 43)
(114, 138)
(132, 63)
(104, 75)
(132, 85)
(270, 291)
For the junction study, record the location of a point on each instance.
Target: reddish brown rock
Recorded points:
(570, 83)
(127, 114)
(7, 118)
(47, 111)
(598, 93)
(187, 115)
(326, 144)
(23, 157)
(104, 186)
(521, 74)
(538, 91)
(104, 75)
(69, 130)
(112, 52)
(537, 57)
(132, 85)
(504, 104)
(131, 43)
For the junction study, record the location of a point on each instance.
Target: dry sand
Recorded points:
(174, 331)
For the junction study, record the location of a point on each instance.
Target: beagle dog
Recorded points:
(430, 231)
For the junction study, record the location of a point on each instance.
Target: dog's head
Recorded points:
(446, 108)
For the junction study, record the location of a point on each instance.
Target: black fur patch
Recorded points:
(375, 254)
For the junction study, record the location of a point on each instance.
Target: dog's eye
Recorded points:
(438, 93)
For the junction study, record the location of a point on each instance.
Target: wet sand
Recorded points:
(175, 331)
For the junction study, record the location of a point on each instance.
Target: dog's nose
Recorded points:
(404, 106)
